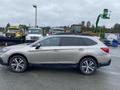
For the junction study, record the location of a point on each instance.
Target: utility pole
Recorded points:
(35, 6)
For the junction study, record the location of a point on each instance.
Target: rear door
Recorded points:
(70, 49)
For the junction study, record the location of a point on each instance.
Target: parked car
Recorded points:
(107, 42)
(34, 34)
(83, 52)
(56, 30)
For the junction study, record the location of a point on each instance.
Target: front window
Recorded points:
(12, 30)
(53, 41)
(49, 41)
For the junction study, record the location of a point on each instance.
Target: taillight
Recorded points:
(105, 49)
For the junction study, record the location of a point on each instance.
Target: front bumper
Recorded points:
(1, 62)
(104, 64)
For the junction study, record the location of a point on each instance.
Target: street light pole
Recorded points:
(35, 15)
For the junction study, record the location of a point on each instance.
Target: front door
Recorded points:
(48, 51)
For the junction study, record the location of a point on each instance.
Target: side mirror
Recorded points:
(38, 46)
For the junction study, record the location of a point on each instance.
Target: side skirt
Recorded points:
(58, 65)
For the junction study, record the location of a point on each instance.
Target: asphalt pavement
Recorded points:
(106, 78)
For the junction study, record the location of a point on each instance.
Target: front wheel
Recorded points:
(87, 66)
(18, 63)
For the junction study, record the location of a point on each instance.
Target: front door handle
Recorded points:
(81, 49)
(55, 50)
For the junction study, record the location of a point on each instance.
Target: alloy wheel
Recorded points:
(18, 64)
(88, 66)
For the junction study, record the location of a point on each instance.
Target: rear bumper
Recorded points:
(104, 64)
(1, 62)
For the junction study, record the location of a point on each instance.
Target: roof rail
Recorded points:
(70, 33)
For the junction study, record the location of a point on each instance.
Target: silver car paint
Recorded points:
(58, 54)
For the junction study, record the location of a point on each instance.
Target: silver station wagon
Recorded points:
(86, 53)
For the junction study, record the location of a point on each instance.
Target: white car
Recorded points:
(83, 52)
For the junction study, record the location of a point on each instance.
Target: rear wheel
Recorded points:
(87, 66)
(18, 63)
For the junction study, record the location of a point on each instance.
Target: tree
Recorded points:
(93, 28)
(82, 26)
(7, 26)
(1, 29)
(24, 27)
(83, 23)
(88, 24)
(116, 28)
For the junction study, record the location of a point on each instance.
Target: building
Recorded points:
(77, 28)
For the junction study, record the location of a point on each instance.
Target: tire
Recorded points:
(18, 64)
(87, 66)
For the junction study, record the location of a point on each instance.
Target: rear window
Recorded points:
(76, 41)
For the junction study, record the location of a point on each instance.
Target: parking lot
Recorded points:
(106, 78)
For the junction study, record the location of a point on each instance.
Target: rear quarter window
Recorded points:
(89, 42)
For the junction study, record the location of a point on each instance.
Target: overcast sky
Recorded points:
(57, 12)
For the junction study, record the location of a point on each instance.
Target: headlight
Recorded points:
(3, 50)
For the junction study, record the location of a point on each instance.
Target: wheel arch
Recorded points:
(17, 54)
(91, 57)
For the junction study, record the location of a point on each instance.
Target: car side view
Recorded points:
(86, 53)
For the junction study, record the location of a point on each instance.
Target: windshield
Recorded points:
(35, 31)
(12, 30)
